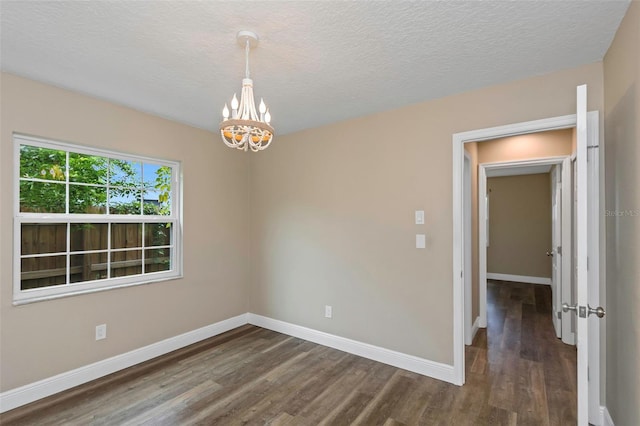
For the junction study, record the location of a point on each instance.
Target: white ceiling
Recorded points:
(318, 61)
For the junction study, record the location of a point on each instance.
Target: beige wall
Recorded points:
(332, 214)
(553, 143)
(622, 156)
(519, 225)
(42, 339)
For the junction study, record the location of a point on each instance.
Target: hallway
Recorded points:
(525, 369)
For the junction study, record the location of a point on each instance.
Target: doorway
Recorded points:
(538, 252)
(591, 233)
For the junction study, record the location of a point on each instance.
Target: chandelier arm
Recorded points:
(252, 106)
(242, 109)
(230, 142)
(265, 146)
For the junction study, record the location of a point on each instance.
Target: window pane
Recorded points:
(126, 235)
(157, 203)
(39, 238)
(157, 196)
(151, 174)
(157, 260)
(125, 263)
(42, 197)
(88, 267)
(88, 168)
(125, 173)
(89, 236)
(157, 234)
(87, 199)
(124, 201)
(43, 271)
(42, 163)
(151, 204)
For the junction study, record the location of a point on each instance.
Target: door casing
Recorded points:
(484, 170)
(553, 123)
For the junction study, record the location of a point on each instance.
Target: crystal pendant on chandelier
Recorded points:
(243, 127)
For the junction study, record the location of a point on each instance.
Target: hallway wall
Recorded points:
(519, 225)
(622, 216)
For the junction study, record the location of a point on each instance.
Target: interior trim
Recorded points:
(519, 278)
(31, 392)
(412, 363)
(605, 417)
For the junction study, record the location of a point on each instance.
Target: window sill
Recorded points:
(26, 299)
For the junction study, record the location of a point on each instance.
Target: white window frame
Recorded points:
(21, 296)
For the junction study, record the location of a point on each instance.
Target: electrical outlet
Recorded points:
(328, 311)
(101, 331)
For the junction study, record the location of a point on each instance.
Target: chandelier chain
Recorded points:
(247, 47)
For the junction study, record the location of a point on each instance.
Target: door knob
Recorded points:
(550, 253)
(599, 311)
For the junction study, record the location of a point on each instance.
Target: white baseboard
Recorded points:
(32, 392)
(519, 278)
(26, 394)
(605, 417)
(474, 328)
(418, 365)
(468, 340)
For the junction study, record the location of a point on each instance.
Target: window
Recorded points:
(88, 220)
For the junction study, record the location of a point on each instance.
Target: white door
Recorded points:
(556, 249)
(583, 220)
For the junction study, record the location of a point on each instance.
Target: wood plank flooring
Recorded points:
(518, 373)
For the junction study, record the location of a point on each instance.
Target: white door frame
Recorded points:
(483, 235)
(459, 139)
(470, 326)
(559, 189)
(568, 242)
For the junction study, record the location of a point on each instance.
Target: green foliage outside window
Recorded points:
(89, 176)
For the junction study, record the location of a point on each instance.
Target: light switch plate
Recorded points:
(101, 331)
(421, 241)
(419, 217)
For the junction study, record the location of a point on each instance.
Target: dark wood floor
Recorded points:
(518, 373)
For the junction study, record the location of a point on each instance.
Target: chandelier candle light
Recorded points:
(244, 128)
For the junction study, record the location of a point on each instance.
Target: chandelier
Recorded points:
(245, 127)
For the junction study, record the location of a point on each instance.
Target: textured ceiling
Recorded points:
(317, 62)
